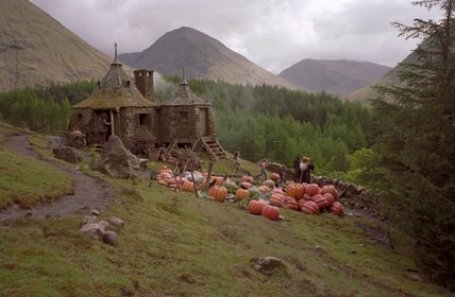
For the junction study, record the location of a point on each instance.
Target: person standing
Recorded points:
(306, 166)
(237, 160)
(263, 165)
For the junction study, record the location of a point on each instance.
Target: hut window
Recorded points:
(143, 119)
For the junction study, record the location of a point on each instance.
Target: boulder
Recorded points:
(94, 230)
(68, 154)
(116, 221)
(110, 238)
(117, 161)
(269, 265)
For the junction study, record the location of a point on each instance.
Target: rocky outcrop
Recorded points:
(68, 154)
(117, 161)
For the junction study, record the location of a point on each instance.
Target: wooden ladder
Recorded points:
(213, 147)
(171, 147)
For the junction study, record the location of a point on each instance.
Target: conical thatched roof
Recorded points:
(185, 96)
(116, 89)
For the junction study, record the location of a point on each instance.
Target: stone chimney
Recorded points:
(144, 82)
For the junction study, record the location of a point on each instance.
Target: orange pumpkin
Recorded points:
(255, 207)
(219, 193)
(329, 198)
(337, 209)
(290, 203)
(271, 212)
(312, 189)
(295, 190)
(242, 194)
(277, 199)
(330, 189)
(275, 177)
(187, 186)
(310, 207)
(320, 200)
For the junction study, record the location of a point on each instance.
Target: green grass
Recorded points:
(174, 244)
(26, 180)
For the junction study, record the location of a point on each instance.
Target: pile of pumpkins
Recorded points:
(308, 198)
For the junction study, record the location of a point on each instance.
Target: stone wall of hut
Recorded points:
(135, 125)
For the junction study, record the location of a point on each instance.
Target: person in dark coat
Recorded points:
(306, 166)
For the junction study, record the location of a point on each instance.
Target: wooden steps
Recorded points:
(213, 147)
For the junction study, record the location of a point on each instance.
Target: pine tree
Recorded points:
(417, 143)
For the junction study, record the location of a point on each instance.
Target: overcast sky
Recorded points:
(272, 33)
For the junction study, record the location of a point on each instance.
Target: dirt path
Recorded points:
(89, 193)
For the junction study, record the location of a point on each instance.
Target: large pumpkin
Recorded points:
(242, 194)
(295, 190)
(310, 207)
(245, 185)
(291, 203)
(271, 212)
(330, 199)
(256, 207)
(330, 189)
(337, 209)
(187, 186)
(247, 178)
(320, 200)
(275, 177)
(277, 199)
(219, 193)
(312, 189)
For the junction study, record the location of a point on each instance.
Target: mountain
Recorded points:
(35, 49)
(338, 77)
(390, 78)
(202, 57)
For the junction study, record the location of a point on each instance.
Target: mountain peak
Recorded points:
(338, 77)
(203, 57)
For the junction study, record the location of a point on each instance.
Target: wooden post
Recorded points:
(209, 175)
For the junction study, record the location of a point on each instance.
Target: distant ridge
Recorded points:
(35, 49)
(202, 57)
(337, 77)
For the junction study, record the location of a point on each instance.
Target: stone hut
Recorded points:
(126, 109)
(117, 107)
(185, 118)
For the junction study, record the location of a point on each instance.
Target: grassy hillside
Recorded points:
(174, 244)
(26, 180)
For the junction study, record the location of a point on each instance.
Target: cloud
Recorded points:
(274, 34)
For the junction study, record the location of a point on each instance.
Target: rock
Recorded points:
(269, 265)
(94, 230)
(95, 212)
(117, 161)
(116, 221)
(110, 238)
(318, 247)
(89, 220)
(67, 153)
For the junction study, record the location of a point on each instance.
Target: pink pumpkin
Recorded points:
(271, 212)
